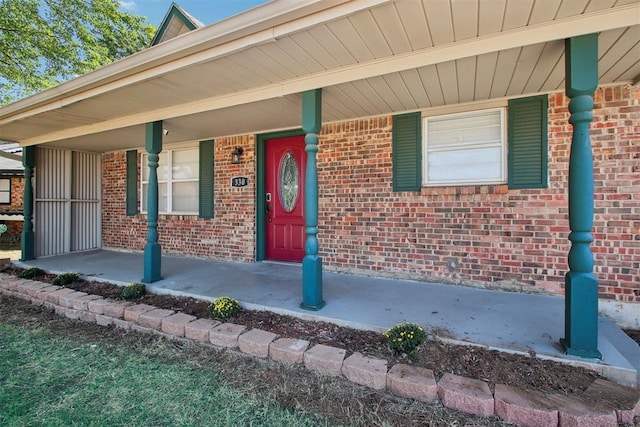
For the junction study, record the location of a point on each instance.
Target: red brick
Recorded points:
(325, 359)
(466, 395)
(103, 320)
(42, 293)
(82, 303)
(175, 324)
(133, 312)
(366, 371)
(153, 319)
(87, 316)
(53, 297)
(72, 313)
(624, 400)
(9, 283)
(526, 408)
(21, 285)
(68, 299)
(113, 308)
(30, 288)
(226, 335)
(256, 342)
(574, 412)
(413, 382)
(198, 330)
(288, 350)
(97, 306)
(14, 228)
(121, 324)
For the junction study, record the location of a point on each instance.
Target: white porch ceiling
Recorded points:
(371, 57)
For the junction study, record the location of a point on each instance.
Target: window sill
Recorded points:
(465, 190)
(172, 215)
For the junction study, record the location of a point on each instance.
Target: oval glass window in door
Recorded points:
(288, 181)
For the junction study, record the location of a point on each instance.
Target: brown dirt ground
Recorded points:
(292, 387)
(528, 373)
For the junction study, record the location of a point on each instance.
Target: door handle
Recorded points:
(267, 206)
(267, 209)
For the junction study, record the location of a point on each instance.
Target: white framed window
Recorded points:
(178, 180)
(5, 191)
(464, 148)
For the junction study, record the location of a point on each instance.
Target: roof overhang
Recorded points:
(371, 57)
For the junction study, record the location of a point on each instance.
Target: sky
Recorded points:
(206, 11)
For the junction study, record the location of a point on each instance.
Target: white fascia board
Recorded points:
(9, 217)
(560, 29)
(256, 26)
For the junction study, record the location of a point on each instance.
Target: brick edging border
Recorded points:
(616, 403)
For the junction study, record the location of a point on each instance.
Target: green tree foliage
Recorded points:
(44, 42)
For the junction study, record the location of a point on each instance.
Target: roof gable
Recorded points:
(10, 158)
(176, 22)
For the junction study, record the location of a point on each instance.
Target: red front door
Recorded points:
(284, 199)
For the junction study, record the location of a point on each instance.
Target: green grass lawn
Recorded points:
(49, 380)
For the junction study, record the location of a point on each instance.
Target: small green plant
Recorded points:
(224, 307)
(65, 279)
(405, 338)
(31, 272)
(133, 290)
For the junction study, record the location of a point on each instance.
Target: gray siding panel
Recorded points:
(67, 198)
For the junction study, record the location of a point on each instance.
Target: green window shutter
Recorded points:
(132, 182)
(407, 152)
(206, 180)
(528, 143)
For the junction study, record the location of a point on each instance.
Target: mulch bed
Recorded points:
(475, 362)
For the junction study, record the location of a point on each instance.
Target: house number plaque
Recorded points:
(239, 181)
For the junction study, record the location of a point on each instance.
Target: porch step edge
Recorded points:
(623, 344)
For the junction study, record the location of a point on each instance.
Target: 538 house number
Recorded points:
(239, 181)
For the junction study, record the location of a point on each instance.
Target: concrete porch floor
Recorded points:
(507, 321)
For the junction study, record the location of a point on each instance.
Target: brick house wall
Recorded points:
(229, 235)
(485, 235)
(14, 228)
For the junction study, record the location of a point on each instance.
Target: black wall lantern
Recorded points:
(235, 155)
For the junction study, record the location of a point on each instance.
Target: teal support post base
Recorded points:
(27, 245)
(581, 315)
(312, 283)
(152, 263)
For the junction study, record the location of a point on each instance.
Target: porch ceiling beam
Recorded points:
(619, 17)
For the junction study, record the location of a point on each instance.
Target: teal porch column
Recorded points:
(152, 251)
(581, 285)
(27, 244)
(312, 263)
